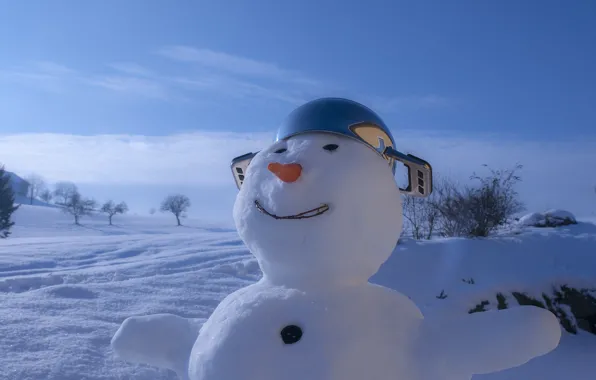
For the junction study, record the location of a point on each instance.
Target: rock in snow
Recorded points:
(550, 218)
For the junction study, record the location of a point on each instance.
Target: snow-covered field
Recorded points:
(65, 289)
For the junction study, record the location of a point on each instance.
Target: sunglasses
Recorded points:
(419, 171)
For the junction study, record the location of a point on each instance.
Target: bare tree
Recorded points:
(36, 185)
(152, 210)
(46, 195)
(448, 201)
(421, 216)
(63, 191)
(176, 204)
(112, 209)
(478, 210)
(78, 206)
(495, 201)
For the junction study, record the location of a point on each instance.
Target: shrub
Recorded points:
(477, 210)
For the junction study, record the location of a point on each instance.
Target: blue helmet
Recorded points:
(350, 119)
(340, 116)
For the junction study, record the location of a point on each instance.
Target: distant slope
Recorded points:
(33, 221)
(20, 199)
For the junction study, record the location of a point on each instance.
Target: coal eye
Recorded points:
(331, 147)
(280, 150)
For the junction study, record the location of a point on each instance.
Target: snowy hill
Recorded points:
(20, 188)
(32, 221)
(21, 199)
(65, 289)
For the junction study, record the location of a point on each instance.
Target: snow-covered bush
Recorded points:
(551, 218)
(574, 307)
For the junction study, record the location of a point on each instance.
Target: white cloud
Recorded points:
(131, 68)
(408, 102)
(231, 63)
(45, 68)
(132, 85)
(53, 68)
(238, 89)
(210, 73)
(44, 75)
(555, 174)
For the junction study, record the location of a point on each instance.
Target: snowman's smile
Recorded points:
(303, 215)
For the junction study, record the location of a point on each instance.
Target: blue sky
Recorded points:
(462, 82)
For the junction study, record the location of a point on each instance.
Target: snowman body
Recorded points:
(321, 212)
(315, 271)
(270, 332)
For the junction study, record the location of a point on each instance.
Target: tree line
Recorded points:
(67, 196)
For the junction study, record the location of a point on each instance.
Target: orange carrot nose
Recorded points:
(285, 172)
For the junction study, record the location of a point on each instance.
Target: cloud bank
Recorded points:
(200, 158)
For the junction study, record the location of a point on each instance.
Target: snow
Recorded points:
(46, 221)
(21, 199)
(532, 219)
(65, 289)
(530, 259)
(459, 342)
(143, 338)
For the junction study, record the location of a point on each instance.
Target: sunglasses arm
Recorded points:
(419, 173)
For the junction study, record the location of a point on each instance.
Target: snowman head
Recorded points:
(321, 204)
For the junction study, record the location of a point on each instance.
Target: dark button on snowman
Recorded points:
(321, 211)
(291, 334)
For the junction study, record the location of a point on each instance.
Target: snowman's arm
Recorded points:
(160, 340)
(492, 341)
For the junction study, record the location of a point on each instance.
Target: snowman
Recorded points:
(321, 212)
